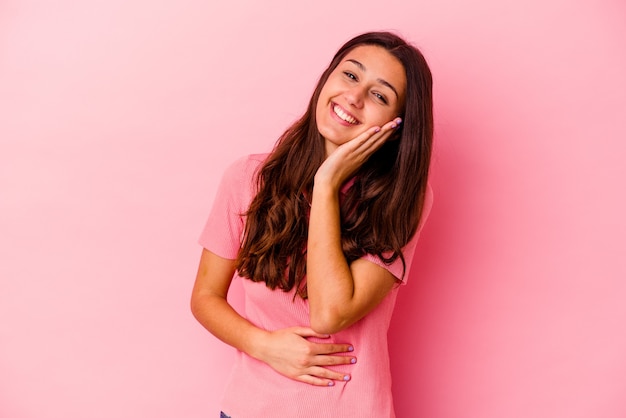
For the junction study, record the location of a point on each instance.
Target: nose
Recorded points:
(355, 96)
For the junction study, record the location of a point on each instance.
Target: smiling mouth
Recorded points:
(344, 116)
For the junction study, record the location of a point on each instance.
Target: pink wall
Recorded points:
(117, 118)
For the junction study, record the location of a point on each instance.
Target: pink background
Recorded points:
(118, 117)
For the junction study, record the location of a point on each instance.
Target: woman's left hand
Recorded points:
(348, 157)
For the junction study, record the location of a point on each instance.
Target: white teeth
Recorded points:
(344, 116)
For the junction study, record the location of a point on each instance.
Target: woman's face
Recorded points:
(366, 89)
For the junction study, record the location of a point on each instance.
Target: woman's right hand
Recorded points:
(290, 353)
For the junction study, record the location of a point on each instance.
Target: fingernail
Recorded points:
(377, 130)
(394, 126)
(346, 378)
(350, 348)
(331, 383)
(353, 360)
(398, 121)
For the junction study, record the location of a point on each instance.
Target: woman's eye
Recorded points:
(380, 97)
(350, 75)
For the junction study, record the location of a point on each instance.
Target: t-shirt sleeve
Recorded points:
(224, 227)
(408, 251)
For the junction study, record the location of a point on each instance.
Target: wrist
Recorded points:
(257, 343)
(325, 187)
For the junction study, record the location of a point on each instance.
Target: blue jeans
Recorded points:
(223, 415)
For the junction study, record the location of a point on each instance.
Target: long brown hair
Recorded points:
(380, 212)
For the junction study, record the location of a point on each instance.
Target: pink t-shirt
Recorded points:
(255, 390)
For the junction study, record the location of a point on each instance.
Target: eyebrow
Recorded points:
(380, 80)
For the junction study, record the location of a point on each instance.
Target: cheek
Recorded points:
(323, 99)
(384, 116)
(318, 107)
(319, 112)
(400, 109)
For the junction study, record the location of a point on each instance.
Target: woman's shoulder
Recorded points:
(241, 173)
(249, 160)
(245, 165)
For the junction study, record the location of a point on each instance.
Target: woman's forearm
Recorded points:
(330, 284)
(216, 315)
(341, 293)
(211, 308)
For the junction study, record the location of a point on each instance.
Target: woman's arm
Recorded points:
(341, 294)
(287, 350)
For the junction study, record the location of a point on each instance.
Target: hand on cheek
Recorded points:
(348, 157)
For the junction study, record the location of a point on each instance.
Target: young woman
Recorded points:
(321, 231)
